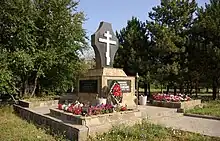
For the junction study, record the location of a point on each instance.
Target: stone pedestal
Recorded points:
(96, 82)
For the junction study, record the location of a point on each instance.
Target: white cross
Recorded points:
(108, 42)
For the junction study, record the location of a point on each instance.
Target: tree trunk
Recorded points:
(10, 95)
(16, 89)
(181, 89)
(37, 91)
(161, 88)
(168, 88)
(174, 90)
(145, 89)
(187, 88)
(35, 85)
(149, 94)
(191, 88)
(214, 89)
(196, 88)
(24, 87)
(207, 90)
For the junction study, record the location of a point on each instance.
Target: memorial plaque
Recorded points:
(88, 86)
(124, 84)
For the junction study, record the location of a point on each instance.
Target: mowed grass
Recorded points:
(211, 108)
(150, 132)
(12, 128)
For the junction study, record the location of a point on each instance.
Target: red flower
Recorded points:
(60, 106)
(70, 109)
(123, 108)
(77, 111)
(116, 91)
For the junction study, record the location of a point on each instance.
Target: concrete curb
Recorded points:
(202, 116)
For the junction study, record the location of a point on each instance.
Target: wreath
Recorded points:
(116, 92)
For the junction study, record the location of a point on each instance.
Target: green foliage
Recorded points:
(41, 40)
(169, 24)
(209, 108)
(133, 47)
(5, 75)
(134, 53)
(205, 34)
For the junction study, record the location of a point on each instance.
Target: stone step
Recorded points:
(64, 116)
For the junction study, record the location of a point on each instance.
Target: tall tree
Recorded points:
(169, 23)
(206, 34)
(41, 39)
(133, 53)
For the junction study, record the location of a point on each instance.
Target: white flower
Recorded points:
(81, 105)
(63, 106)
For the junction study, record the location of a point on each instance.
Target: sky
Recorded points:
(117, 12)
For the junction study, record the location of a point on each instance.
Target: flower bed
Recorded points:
(171, 98)
(181, 102)
(88, 110)
(114, 118)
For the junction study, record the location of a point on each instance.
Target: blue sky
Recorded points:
(116, 12)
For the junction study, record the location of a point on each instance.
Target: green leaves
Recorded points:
(134, 43)
(168, 26)
(41, 37)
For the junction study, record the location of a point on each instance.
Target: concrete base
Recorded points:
(75, 127)
(28, 104)
(102, 76)
(97, 120)
(181, 106)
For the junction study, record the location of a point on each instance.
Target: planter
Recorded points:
(143, 100)
(179, 105)
(95, 120)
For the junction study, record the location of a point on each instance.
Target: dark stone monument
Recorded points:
(105, 45)
(96, 82)
(88, 86)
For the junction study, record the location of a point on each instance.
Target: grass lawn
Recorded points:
(12, 128)
(15, 129)
(150, 132)
(211, 108)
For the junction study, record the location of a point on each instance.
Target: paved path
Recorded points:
(169, 118)
(43, 110)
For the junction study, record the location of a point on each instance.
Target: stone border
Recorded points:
(202, 116)
(181, 106)
(72, 132)
(166, 104)
(34, 104)
(97, 120)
